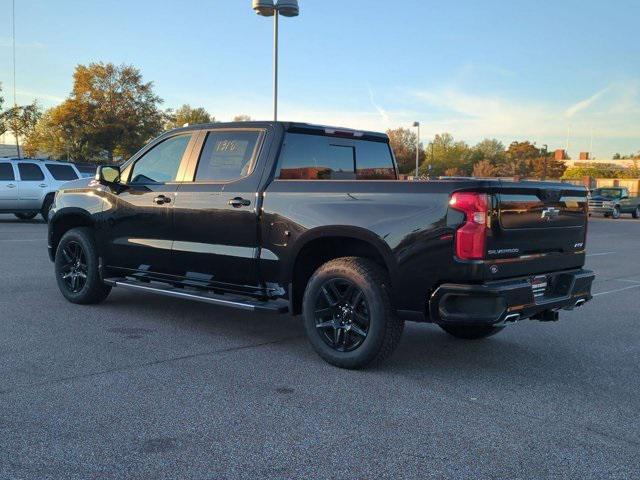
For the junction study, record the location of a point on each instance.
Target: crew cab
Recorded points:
(613, 202)
(304, 219)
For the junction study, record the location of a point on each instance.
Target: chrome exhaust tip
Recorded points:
(580, 302)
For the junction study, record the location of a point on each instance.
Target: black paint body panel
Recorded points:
(199, 239)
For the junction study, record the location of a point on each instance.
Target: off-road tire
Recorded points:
(94, 290)
(384, 327)
(471, 332)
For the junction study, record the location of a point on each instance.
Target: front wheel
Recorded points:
(348, 315)
(471, 332)
(636, 213)
(616, 213)
(26, 216)
(76, 267)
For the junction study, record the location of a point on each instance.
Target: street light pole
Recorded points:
(275, 64)
(417, 124)
(269, 8)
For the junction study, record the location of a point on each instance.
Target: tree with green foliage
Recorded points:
(403, 142)
(20, 120)
(110, 113)
(595, 170)
(447, 157)
(187, 115)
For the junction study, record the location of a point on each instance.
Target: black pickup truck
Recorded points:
(290, 217)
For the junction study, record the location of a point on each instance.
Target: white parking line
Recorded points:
(599, 254)
(617, 290)
(23, 240)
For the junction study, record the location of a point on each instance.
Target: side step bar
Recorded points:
(234, 301)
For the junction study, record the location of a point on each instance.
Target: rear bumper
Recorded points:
(505, 301)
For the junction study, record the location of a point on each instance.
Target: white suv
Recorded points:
(27, 186)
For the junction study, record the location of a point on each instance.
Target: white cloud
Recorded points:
(585, 104)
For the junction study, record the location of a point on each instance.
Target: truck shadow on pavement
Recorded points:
(424, 348)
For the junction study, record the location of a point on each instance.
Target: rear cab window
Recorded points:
(324, 157)
(30, 172)
(61, 172)
(6, 172)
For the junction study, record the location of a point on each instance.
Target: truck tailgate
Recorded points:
(540, 218)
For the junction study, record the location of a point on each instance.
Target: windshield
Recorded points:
(607, 192)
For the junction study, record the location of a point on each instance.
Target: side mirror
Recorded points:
(108, 174)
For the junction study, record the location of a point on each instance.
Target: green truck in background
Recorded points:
(613, 202)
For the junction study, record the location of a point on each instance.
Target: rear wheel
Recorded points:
(471, 332)
(636, 213)
(76, 268)
(26, 216)
(348, 315)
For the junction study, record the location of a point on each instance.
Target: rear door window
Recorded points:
(61, 172)
(6, 172)
(30, 172)
(227, 156)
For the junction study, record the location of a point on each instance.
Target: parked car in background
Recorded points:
(613, 202)
(290, 217)
(28, 186)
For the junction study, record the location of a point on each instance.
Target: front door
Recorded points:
(8, 187)
(32, 185)
(216, 217)
(139, 226)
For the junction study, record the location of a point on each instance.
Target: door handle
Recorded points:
(239, 202)
(43, 185)
(11, 185)
(162, 199)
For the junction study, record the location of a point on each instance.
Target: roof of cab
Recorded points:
(291, 127)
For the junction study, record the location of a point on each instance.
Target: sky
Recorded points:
(544, 71)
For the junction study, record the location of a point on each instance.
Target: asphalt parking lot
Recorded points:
(150, 387)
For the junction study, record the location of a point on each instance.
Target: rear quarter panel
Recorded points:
(407, 227)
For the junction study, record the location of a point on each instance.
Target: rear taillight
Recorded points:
(471, 236)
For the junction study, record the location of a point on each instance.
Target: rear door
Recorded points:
(216, 214)
(33, 185)
(138, 232)
(8, 187)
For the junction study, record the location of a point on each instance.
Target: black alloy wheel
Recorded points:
(348, 314)
(342, 315)
(74, 270)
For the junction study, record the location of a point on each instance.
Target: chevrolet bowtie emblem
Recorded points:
(549, 213)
